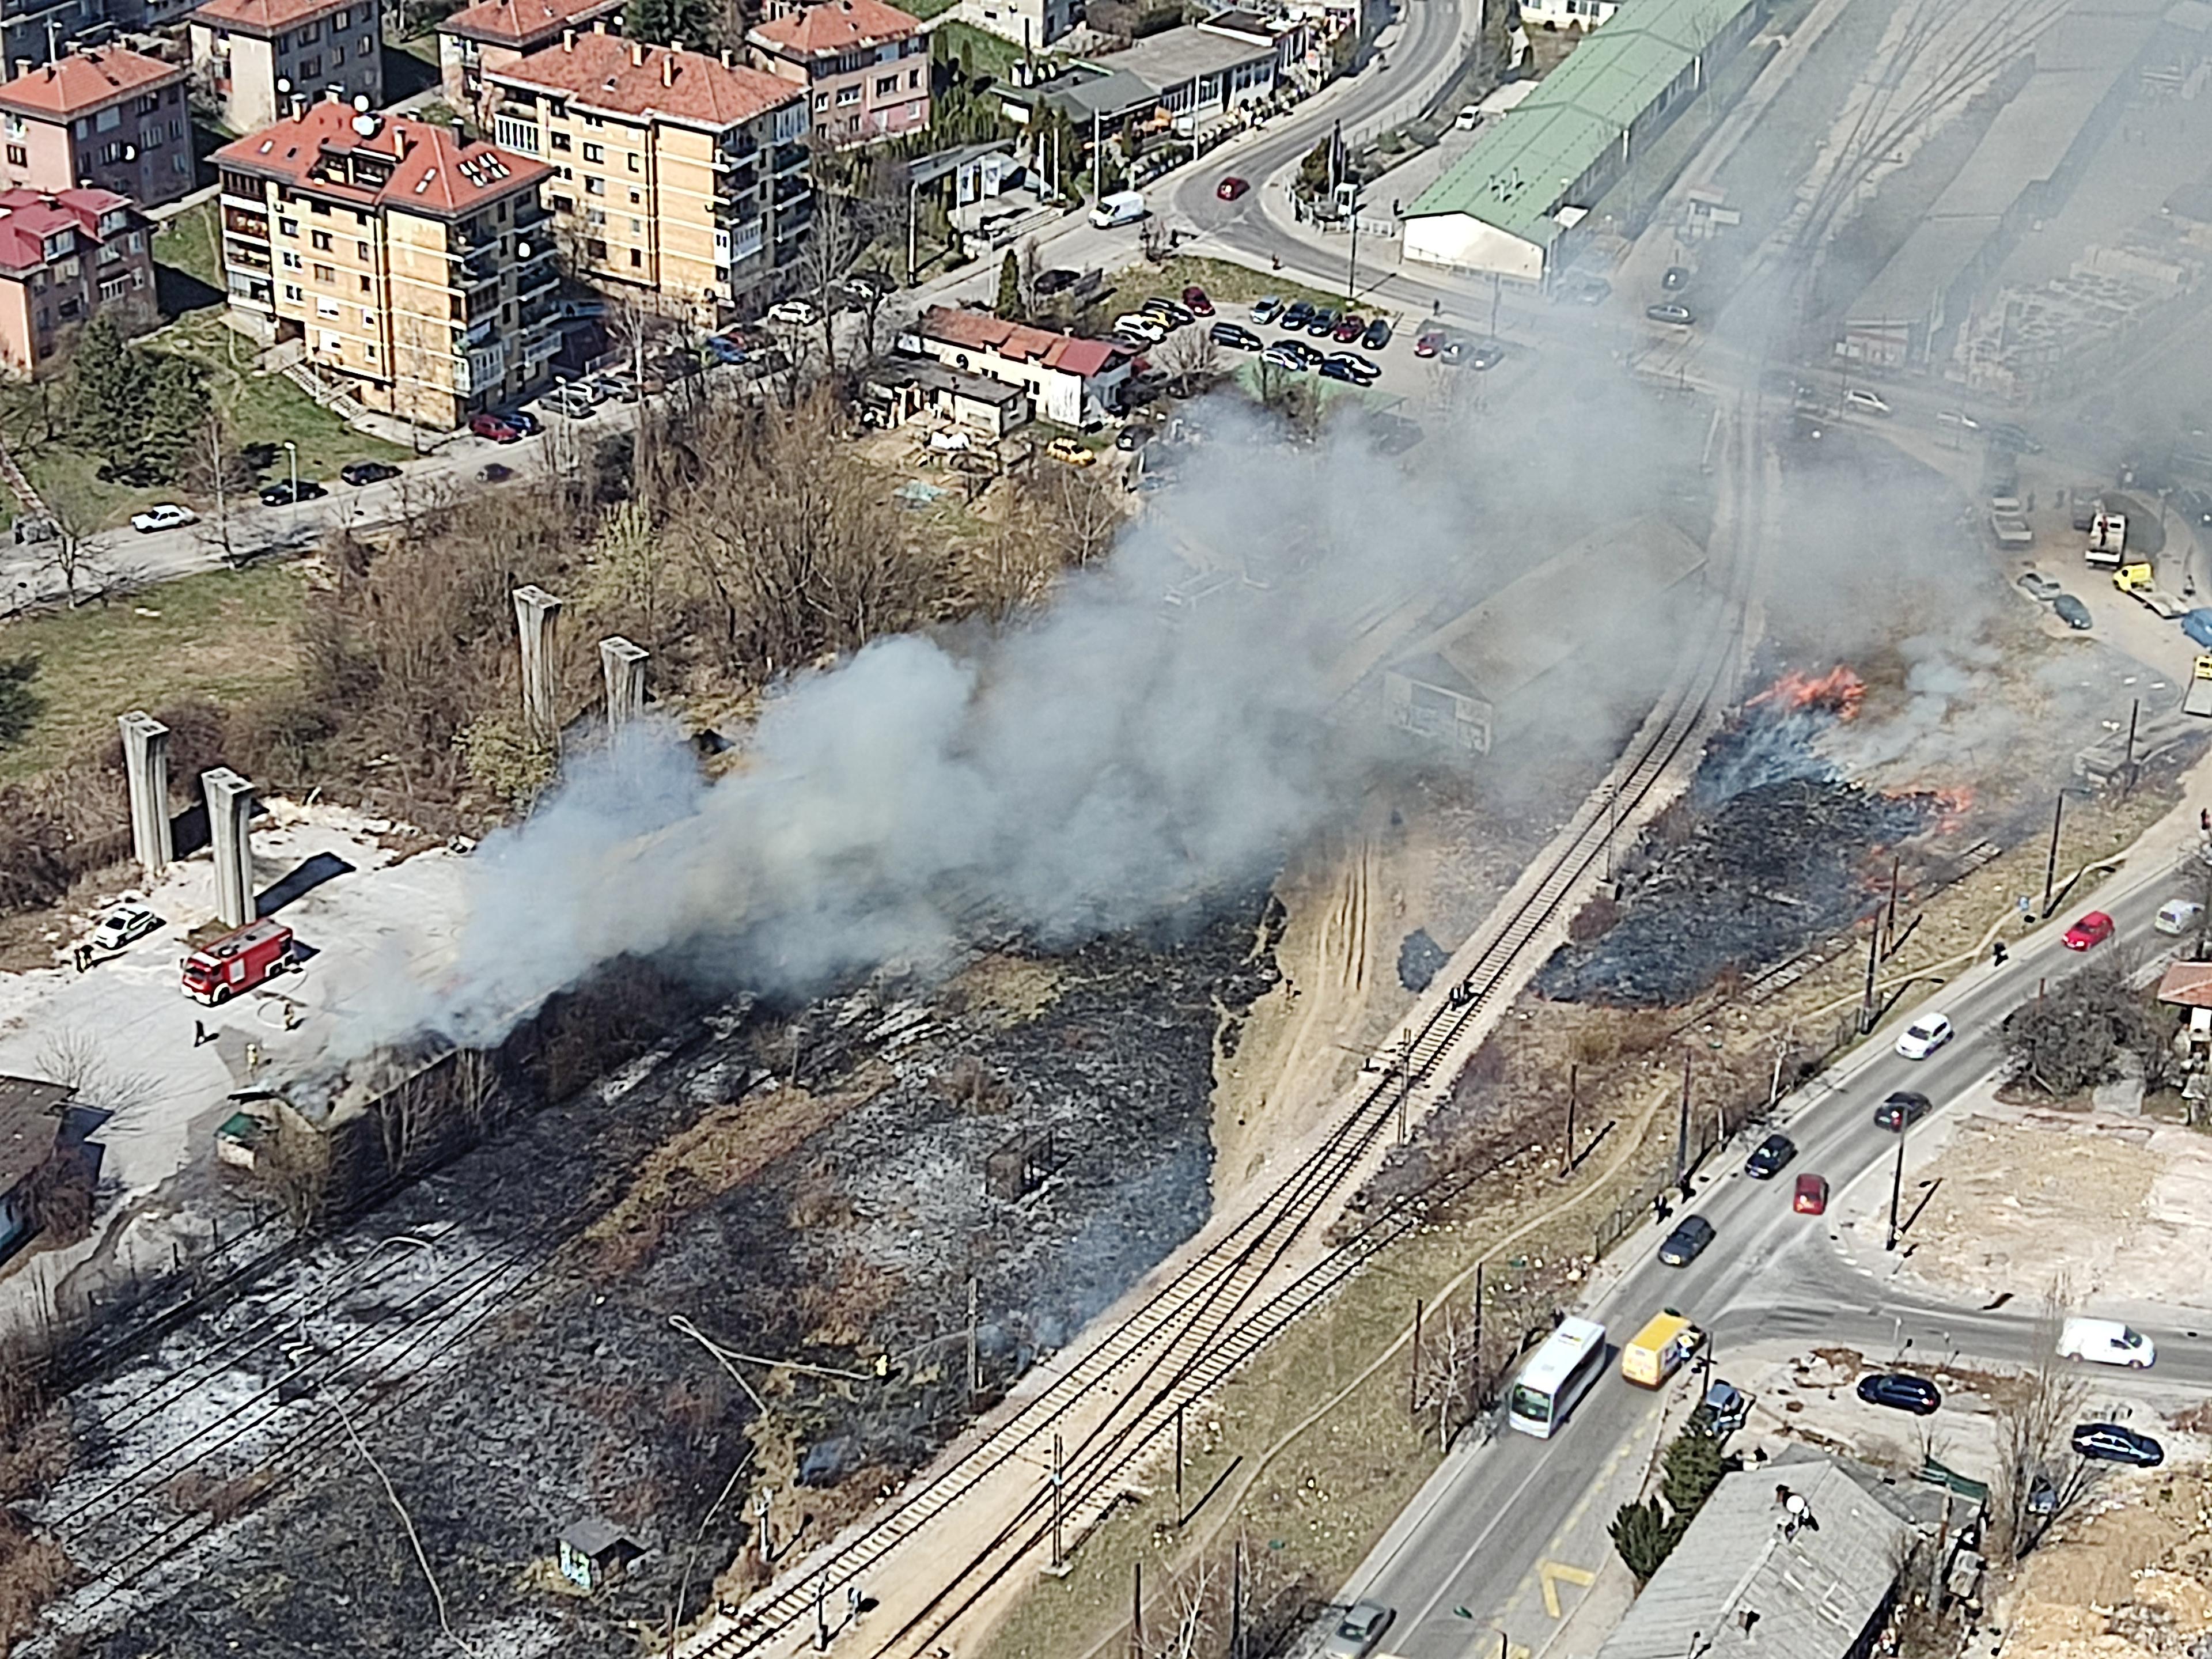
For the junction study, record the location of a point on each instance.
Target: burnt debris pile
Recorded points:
(1772, 849)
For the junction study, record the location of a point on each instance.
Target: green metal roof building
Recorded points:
(1512, 200)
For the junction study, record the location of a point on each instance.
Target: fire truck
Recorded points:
(238, 961)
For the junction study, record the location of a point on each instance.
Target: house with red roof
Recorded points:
(1073, 381)
(494, 33)
(683, 174)
(106, 119)
(66, 255)
(865, 66)
(260, 56)
(415, 267)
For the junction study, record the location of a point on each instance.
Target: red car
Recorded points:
(1428, 343)
(2093, 929)
(1812, 1195)
(491, 427)
(1194, 297)
(1350, 328)
(1231, 188)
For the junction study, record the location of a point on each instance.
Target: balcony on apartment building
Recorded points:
(737, 152)
(238, 255)
(534, 217)
(537, 273)
(790, 158)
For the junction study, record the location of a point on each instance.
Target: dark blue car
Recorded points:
(2197, 624)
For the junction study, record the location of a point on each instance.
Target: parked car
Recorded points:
(167, 516)
(1428, 342)
(1231, 188)
(523, 422)
(722, 349)
(492, 427)
(2178, 915)
(1141, 326)
(1280, 355)
(1769, 1156)
(1308, 354)
(2105, 1342)
(1356, 1633)
(1167, 310)
(368, 472)
(1194, 297)
(1056, 279)
(615, 385)
(2037, 586)
(121, 925)
(1959, 418)
(2071, 612)
(863, 288)
(1322, 323)
(1266, 309)
(284, 492)
(1130, 438)
(1455, 351)
(1367, 367)
(1725, 1409)
(1687, 1242)
(1335, 369)
(1377, 334)
(1812, 1195)
(2003, 434)
(1872, 402)
(1488, 355)
(1927, 1033)
(1676, 279)
(1902, 1107)
(1067, 450)
(2091, 930)
(1468, 118)
(492, 472)
(1236, 335)
(2108, 1443)
(1349, 328)
(1297, 314)
(572, 401)
(1901, 1392)
(794, 314)
(1667, 311)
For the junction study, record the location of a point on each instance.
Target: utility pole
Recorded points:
(1413, 1372)
(1404, 1082)
(1059, 1488)
(1874, 960)
(1137, 1612)
(1897, 1181)
(1352, 277)
(1682, 1133)
(1478, 1326)
(1567, 1156)
(974, 1380)
(2135, 713)
(821, 1611)
(2051, 864)
(1236, 1600)
(1889, 925)
(1178, 1472)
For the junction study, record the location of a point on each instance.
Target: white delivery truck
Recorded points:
(1124, 207)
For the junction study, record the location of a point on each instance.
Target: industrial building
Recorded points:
(1513, 204)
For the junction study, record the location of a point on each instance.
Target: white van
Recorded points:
(2105, 1342)
(2178, 915)
(1122, 208)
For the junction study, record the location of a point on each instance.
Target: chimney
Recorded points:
(567, 39)
(50, 69)
(22, 67)
(729, 59)
(599, 26)
(668, 68)
(676, 45)
(636, 53)
(334, 95)
(298, 107)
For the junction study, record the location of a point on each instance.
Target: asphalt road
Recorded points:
(1474, 1538)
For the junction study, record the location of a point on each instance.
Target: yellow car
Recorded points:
(1067, 449)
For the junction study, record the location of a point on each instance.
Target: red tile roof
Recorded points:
(268, 17)
(86, 81)
(630, 77)
(433, 173)
(834, 27)
(979, 331)
(28, 217)
(524, 24)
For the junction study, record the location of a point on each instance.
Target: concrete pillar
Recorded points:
(230, 812)
(623, 665)
(146, 764)
(538, 620)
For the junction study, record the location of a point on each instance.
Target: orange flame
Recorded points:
(1952, 806)
(1837, 692)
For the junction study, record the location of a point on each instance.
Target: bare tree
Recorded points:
(833, 242)
(2038, 1479)
(1449, 1382)
(293, 1166)
(1084, 512)
(70, 552)
(75, 1056)
(1190, 358)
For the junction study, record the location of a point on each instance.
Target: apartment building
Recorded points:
(678, 174)
(417, 268)
(865, 66)
(102, 119)
(492, 34)
(64, 255)
(259, 54)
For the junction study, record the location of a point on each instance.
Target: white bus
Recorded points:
(1556, 1377)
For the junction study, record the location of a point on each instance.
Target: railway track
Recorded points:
(1236, 1293)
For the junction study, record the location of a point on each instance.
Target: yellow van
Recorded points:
(1656, 1352)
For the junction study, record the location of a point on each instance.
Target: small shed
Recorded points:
(2188, 985)
(239, 1138)
(595, 1552)
(30, 1126)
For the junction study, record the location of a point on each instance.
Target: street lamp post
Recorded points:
(292, 458)
(1896, 1179)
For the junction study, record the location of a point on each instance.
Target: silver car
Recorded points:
(1362, 1628)
(121, 925)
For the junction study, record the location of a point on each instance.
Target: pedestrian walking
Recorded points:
(1997, 954)
(199, 1033)
(2204, 819)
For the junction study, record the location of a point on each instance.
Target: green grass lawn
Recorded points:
(986, 53)
(1232, 287)
(227, 636)
(191, 243)
(260, 413)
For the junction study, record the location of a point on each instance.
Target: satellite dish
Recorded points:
(131, 152)
(365, 124)
(360, 103)
(522, 250)
(284, 85)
